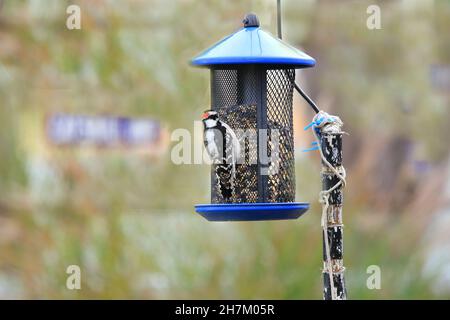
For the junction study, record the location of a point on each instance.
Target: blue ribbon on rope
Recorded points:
(315, 125)
(313, 148)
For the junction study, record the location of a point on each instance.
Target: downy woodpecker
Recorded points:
(223, 148)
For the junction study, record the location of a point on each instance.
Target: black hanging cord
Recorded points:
(308, 99)
(299, 90)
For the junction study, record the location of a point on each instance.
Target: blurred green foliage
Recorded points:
(128, 221)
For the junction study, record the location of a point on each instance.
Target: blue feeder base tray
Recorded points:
(252, 211)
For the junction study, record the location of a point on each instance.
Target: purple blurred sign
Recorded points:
(65, 129)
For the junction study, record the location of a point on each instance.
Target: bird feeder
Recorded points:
(252, 82)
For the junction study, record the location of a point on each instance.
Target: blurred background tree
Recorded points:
(127, 220)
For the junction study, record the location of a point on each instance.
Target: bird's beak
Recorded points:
(205, 115)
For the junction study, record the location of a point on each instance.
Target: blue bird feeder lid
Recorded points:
(252, 45)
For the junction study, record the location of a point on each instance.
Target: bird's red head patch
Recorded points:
(209, 114)
(205, 115)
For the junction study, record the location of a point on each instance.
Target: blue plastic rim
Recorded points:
(252, 211)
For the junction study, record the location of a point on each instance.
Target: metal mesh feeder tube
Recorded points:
(252, 83)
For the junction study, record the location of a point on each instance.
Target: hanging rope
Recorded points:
(325, 124)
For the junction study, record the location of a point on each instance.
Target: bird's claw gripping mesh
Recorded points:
(247, 99)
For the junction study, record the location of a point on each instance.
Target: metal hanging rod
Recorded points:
(296, 86)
